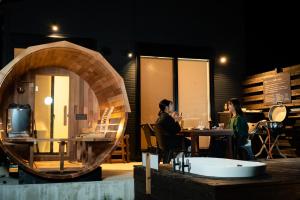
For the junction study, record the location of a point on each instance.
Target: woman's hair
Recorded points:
(237, 106)
(163, 104)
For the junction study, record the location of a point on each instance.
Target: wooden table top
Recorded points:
(208, 132)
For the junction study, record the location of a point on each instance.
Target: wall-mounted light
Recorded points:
(55, 28)
(130, 54)
(223, 60)
(48, 101)
(55, 32)
(20, 89)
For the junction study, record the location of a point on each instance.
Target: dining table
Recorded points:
(194, 134)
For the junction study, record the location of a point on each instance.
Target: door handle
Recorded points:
(65, 115)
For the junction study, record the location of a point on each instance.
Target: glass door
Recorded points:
(51, 110)
(60, 109)
(42, 111)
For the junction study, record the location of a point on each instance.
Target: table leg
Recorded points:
(281, 154)
(229, 147)
(78, 145)
(61, 152)
(194, 144)
(263, 147)
(89, 152)
(83, 153)
(275, 144)
(31, 155)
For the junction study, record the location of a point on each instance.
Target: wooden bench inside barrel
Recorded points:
(62, 145)
(30, 141)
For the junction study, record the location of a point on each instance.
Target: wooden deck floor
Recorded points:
(282, 181)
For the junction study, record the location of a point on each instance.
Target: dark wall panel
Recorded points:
(130, 79)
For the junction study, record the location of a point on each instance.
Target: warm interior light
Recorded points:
(48, 100)
(223, 60)
(130, 55)
(55, 35)
(54, 28)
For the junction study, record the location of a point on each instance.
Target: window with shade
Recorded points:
(160, 77)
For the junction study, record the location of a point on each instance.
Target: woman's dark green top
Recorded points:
(239, 125)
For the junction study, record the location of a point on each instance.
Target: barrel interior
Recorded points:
(78, 110)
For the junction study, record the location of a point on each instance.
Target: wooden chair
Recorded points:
(165, 153)
(148, 132)
(121, 154)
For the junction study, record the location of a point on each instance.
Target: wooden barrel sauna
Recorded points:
(109, 90)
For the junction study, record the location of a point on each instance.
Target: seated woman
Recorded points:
(239, 125)
(167, 126)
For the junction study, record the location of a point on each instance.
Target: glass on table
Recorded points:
(221, 125)
(201, 125)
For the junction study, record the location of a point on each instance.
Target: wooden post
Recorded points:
(61, 152)
(148, 174)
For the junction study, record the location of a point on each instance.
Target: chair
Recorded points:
(164, 152)
(121, 153)
(148, 132)
(246, 152)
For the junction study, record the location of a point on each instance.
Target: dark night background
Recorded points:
(256, 36)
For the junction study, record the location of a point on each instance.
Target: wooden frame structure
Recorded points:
(253, 99)
(92, 67)
(253, 89)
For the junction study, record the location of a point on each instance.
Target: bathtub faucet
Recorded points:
(185, 164)
(182, 165)
(176, 162)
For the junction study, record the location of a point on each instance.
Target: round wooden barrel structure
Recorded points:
(107, 85)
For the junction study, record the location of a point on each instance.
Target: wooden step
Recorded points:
(117, 153)
(116, 160)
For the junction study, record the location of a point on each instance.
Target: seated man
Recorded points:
(167, 126)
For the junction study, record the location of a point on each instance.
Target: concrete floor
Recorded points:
(117, 183)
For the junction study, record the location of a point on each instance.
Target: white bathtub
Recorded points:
(225, 168)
